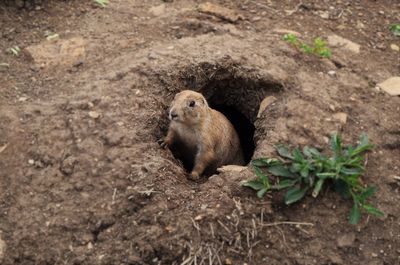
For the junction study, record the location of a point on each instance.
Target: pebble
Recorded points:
(332, 73)
(394, 47)
(157, 10)
(346, 240)
(391, 86)
(341, 117)
(256, 19)
(2, 248)
(343, 43)
(31, 161)
(94, 114)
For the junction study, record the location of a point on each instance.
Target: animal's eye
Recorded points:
(192, 103)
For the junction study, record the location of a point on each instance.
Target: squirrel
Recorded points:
(201, 137)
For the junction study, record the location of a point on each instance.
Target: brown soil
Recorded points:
(80, 189)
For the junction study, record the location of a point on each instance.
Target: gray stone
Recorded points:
(346, 240)
(394, 47)
(343, 43)
(67, 52)
(2, 248)
(157, 10)
(391, 86)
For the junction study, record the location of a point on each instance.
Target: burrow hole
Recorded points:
(236, 92)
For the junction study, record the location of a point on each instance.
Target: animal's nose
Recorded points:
(173, 115)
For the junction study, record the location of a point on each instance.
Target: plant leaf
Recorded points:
(355, 214)
(298, 157)
(317, 187)
(336, 144)
(372, 210)
(284, 184)
(283, 151)
(350, 171)
(254, 184)
(280, 171)
(326, 175)
(262, 192)
(363, 146)
(295, 194)
(366, 193)
(264, 179)
(264, 162)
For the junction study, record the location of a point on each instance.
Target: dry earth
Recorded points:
(83, 180)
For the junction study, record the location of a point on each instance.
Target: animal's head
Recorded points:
(188, 107)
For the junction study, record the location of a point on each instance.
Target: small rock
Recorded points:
(31, 162)
(341, 117)
(394, 47)
(343, 43)
(198, 218)
(287, 31)
(219, 11)
(90, 245)
(391, 86)
(2, 248)
(231, 168)
(360, 25)
(332, 73)
(374, 255)
(346, 240)
(228, 261)
(157, 10)
(324, 14)
(256, 19)
(264, 104)
(94, 114)
(152, 56)
(22, 99)
(57, 52)
(4, 67)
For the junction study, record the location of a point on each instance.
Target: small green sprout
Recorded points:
(14, 50)
(318, 48)
(102, 3)
(395, 29)
(306, 170)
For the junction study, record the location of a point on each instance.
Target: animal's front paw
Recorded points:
(162, 143)
(194, 176)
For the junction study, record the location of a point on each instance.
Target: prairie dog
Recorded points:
(200, 136)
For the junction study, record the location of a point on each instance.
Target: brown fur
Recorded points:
(200, 136)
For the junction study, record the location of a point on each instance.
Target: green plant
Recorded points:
(318, 47)
(309, 170)
(14, 50)
(395, 29)
(102, 3)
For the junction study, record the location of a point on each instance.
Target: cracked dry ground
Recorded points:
(83, 180)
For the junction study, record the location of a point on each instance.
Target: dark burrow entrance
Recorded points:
(236, 92)
(243, 126)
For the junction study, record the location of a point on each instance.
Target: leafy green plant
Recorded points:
(317, 48)
(102, 3)
(300, 171)
(14, 50)
(395, 29)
